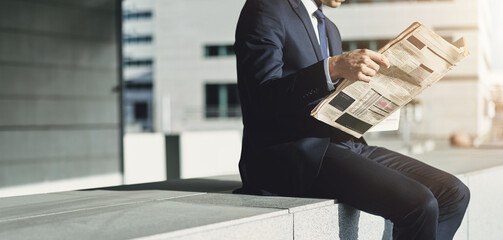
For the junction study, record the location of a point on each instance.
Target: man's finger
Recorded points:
(368, 71)
(379, 58)
(363, 77)
(371, 64)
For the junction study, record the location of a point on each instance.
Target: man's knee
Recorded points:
(428, 204)
(422, 206)
(460, 194)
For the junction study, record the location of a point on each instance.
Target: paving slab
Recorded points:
(65, 202)
(238, 200)
(125, 221)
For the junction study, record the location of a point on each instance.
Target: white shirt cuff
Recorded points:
(330, 84)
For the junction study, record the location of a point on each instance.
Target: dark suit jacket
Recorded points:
(280, 79)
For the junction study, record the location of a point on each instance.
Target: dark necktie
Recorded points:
(322, 32)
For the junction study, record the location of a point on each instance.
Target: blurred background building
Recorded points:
(66, 96)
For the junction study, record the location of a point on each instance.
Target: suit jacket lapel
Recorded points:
(301, 12)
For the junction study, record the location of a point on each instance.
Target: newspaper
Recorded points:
(390, 123)
(419, 58)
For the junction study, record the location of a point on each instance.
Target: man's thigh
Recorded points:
(440, 183)
(361, 180)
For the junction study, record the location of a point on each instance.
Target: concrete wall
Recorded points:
(59, 116)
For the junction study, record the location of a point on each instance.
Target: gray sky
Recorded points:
(497, 41)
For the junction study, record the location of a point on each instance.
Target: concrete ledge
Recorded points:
(203, 209)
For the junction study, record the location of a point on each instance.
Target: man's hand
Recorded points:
(361, 64)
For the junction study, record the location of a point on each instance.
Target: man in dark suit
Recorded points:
(283, 50)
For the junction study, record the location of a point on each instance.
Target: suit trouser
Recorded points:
(422, 202)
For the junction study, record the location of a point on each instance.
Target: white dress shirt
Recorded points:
(311, 7)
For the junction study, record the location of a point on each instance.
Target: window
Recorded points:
(137, 15)
(211, 51)
(218, 50)
(230, 50)
(138, 62)
(138, 86)
(222, 101)
(141, 110)
(137, 39)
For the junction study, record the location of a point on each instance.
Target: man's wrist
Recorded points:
(333, 74)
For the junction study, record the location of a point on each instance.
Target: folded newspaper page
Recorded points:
(419, 58)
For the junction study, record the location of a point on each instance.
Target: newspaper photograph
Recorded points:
(419, 58)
